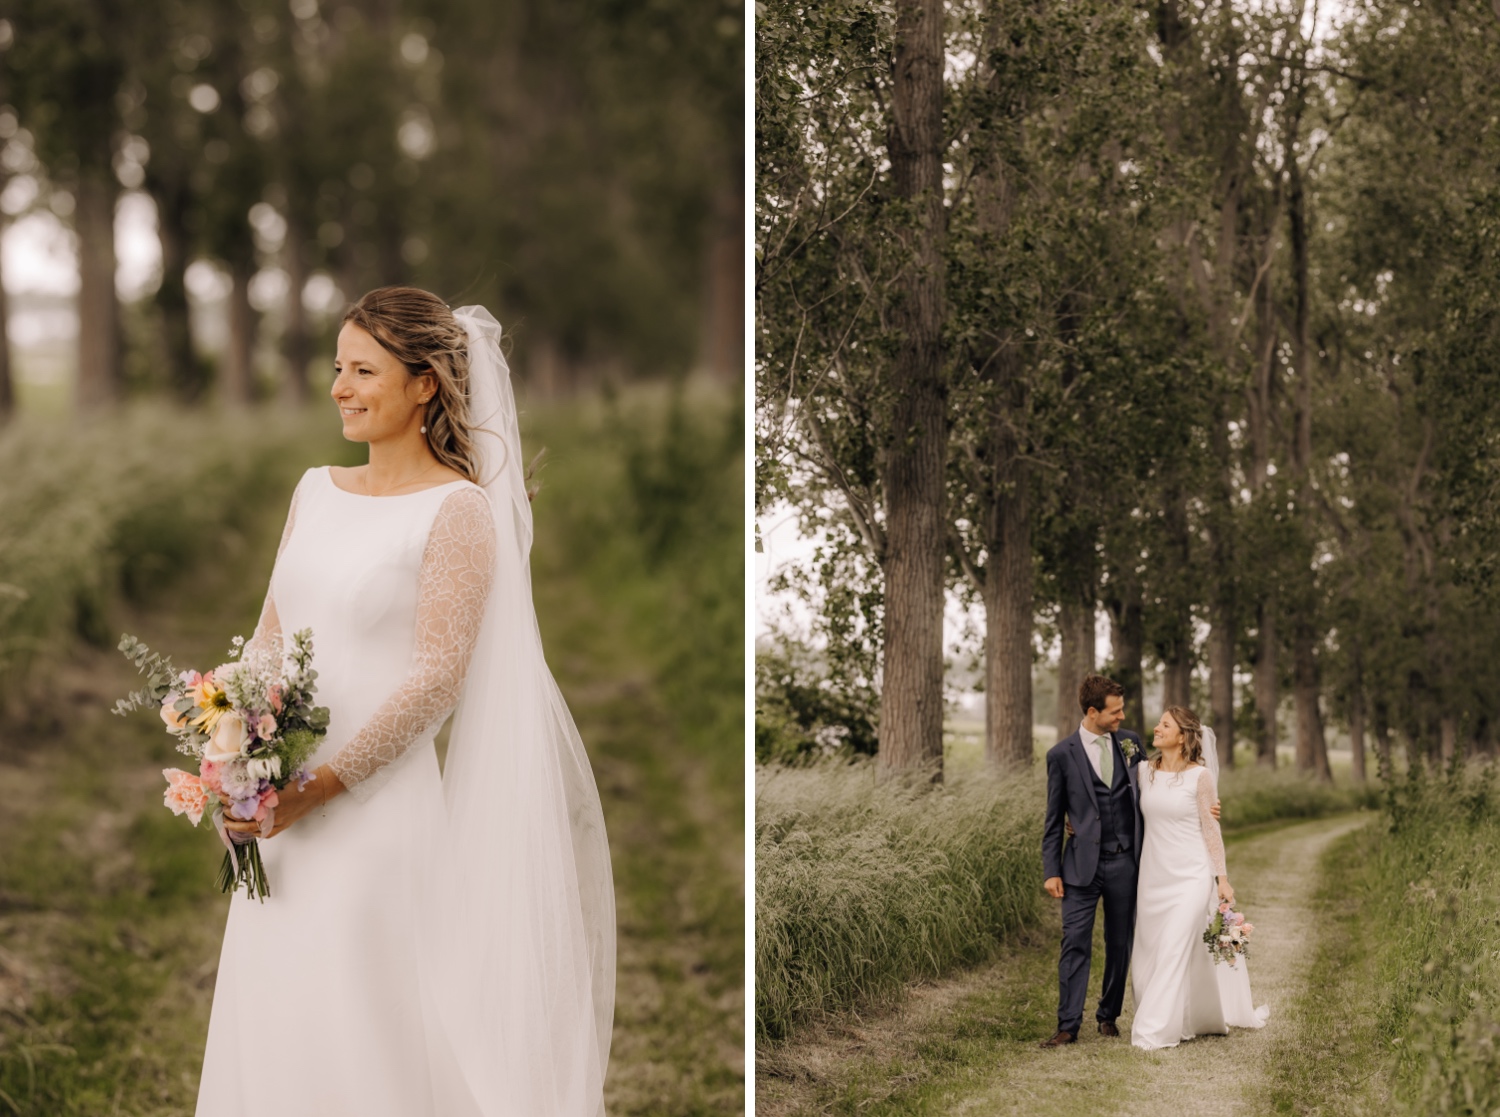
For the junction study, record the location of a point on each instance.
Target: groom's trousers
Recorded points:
(1114, 881)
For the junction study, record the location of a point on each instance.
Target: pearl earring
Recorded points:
(424, 430)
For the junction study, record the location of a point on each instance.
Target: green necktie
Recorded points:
(1106, 760)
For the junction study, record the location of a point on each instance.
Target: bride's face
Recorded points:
(1168, 733)
(378, 397)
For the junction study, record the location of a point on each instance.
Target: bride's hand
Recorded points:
(292, 804)
(1225, 892)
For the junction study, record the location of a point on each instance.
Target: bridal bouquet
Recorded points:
(251, 726)
(1228, 935)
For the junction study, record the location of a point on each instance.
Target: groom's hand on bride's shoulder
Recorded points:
(1054, 887)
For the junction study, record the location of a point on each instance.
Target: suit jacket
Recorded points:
(1070, 797)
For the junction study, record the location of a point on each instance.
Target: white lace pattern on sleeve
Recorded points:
(267, 638)
(453, 586)
(1212, 838)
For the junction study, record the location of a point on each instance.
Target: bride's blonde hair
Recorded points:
(1192, 736)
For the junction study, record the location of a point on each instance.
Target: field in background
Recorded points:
(109, 924)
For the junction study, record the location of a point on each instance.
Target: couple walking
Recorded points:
(1144, 838)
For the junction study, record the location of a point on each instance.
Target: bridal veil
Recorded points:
(517, 920)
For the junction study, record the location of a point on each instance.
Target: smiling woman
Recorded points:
(409, 909)
(402, 386)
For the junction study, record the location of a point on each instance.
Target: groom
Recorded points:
(1092, 788)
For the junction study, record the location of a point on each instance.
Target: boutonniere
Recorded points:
(1128, 747)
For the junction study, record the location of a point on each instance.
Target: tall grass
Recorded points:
(1427, 893)
(93, 511)
(860, 888)
(1252, 796)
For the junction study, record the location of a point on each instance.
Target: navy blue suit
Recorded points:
(1100, 861)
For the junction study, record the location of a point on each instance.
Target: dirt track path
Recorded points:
(969, 1044)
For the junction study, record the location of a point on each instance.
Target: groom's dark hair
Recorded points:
(1095, 690)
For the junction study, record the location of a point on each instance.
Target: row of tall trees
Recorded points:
(1182, 311)
(578, 166)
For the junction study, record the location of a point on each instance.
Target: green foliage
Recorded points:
(159, 671)
(805, 711)
(92, 513)
(1253, 795)
(861, 888)
(1424, 889)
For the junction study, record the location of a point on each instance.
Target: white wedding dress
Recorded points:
(318, 1008)
(1177, 989)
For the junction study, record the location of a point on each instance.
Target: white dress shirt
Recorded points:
(1092, 743)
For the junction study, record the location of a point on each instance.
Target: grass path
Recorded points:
(969, 1044)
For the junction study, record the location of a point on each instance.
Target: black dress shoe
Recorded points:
(1060, 1039)
(1107, 1028)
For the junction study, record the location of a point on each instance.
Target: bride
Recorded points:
(433, 945)
(1178, 990)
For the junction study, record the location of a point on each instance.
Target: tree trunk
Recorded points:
(1312, 746)
(1221, 683)
(724, 317)
(7, 381)
(1074, 661)
(1008, 623)
(238, 385)
(1415, 752)
(99, 366)
(1267, 695)
(183, 368)
(914, 457)
(1383, 741)
(1177, 649)
(296, 342)
(1357, 736)
(1127, 640)
(1448, 739)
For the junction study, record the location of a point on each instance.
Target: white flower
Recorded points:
(230, 736)
(238, 783)
(264, 767)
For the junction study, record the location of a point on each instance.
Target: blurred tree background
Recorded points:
(1213, 363)
(191, 191)
(576, 166)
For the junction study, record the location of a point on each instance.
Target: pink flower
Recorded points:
(1248, 927)
(265, 728)
(273, 696)
(268, 800)
(185, 794)
(209, 772)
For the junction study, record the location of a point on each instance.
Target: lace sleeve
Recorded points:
(267, 638)
(1211, 836)
(454, 583)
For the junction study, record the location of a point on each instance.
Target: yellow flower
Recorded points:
(214, 703)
